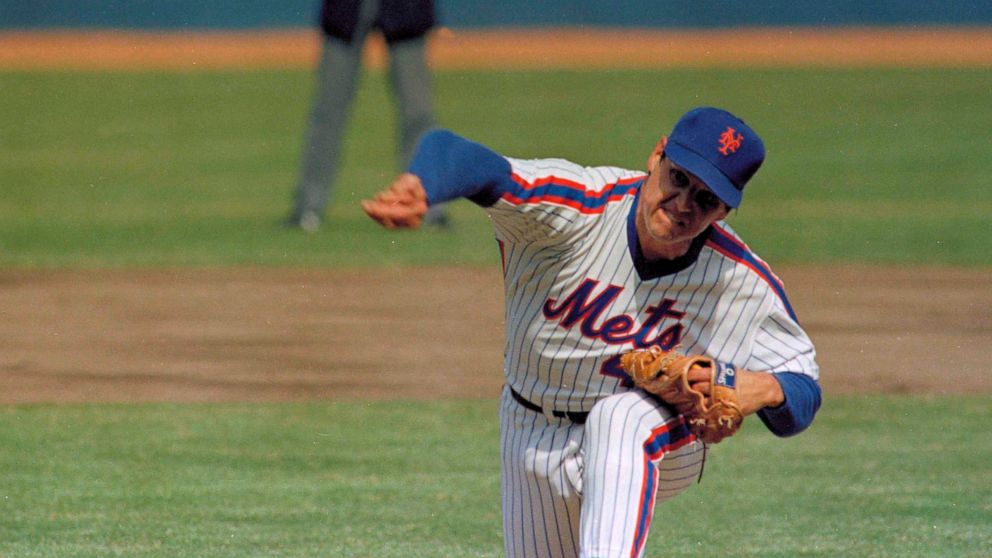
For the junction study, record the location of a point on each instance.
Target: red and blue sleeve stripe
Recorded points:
(721, 241)
(450, 167)
(563, 192)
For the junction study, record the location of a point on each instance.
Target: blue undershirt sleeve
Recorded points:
(802, 400)
(450, 167)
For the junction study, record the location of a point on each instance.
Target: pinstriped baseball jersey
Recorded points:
(579, 293)
(585, 458)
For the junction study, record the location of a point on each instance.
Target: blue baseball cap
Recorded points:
(719, 149)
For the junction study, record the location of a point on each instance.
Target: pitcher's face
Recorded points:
(674, 208)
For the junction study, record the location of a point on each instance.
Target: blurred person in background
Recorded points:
(346, 25)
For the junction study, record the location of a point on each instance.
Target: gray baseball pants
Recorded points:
(337, 81)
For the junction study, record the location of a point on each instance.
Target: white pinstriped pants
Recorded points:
(589, 491)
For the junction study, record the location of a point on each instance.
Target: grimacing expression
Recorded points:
(676, 206)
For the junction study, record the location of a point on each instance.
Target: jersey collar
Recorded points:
(653, 269)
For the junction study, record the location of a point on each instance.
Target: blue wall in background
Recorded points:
(241, 14)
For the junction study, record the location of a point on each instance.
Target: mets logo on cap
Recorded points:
(719, 149)
(730, 141)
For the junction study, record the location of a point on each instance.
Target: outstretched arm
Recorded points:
(445, 166)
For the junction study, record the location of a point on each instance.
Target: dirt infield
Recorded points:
(279, 335)
(534, 48)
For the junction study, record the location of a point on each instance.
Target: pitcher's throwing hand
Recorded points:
(400, 206)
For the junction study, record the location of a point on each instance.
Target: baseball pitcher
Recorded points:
(639, 326)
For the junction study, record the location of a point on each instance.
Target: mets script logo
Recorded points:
(729, 142)
(583, 309)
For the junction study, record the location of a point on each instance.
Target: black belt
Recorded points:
(577, 418)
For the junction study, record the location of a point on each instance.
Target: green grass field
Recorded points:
(885, 476)
(163, 169)
(151, 169)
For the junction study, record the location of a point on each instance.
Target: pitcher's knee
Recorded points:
(605, 410)
(631, 405)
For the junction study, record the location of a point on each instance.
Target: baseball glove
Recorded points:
(665, 374)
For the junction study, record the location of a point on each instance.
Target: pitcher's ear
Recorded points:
(659, 148)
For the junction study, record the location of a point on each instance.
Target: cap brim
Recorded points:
(702, 169)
